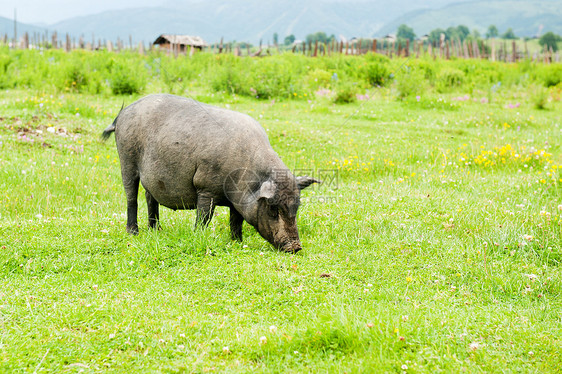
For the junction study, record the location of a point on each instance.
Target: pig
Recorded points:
(190, 155)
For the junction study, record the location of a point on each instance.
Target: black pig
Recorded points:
(190, 155)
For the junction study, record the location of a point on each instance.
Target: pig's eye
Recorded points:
(273, 211)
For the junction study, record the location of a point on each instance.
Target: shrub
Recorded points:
(427, 67)
(552, 75)
(126, 80)
(5, 61)
(539, 96)
(449, 79)
(76, 78)
(345, 93)
(175, 73)
(271, 78)
(376, 74)
(409, 82)
(227, 79)
(318, 78)
(375, 71)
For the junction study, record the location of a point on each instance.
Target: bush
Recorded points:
(539, 96)
(271, 78)
(175, 73)
(449, 79)
(227, 79)
(552, 75)
(427, 67)
(76, 78)
(126, 80)
(318, 78)
(5, 61)
(282, 76)
(345, 93)
(409, 82)
(267, 78)
(375, 71)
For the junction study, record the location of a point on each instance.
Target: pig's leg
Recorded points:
(153, 211)
(236, 221)
(131, 183)
(205, 210)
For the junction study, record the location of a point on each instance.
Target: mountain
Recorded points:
(526, 18)
(242, 20)
(7, 28)
(255, 20)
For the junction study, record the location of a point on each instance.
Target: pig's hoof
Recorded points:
(133, 230)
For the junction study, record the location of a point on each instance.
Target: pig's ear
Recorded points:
(303, 182)
(267, 190)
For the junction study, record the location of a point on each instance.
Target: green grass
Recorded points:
(439, 250)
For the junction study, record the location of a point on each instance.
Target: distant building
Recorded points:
(390, 37)
(179, 43)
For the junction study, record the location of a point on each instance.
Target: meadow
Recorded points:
(433, 245)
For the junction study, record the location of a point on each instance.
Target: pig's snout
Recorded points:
(291, 247)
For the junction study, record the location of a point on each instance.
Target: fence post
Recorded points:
(514, 46)
(315, 49)
(476, 49)
(25, 41)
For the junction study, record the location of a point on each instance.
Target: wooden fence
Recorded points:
(491, 49)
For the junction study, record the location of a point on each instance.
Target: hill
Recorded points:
(524, 17)
(242, 20)
(7, 28)
(237, 20)
(254, 20)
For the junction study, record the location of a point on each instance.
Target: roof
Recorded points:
(195, 41)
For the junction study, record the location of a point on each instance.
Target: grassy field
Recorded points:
(436, 247)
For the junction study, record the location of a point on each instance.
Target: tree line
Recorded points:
(404, 32)
(461, 32)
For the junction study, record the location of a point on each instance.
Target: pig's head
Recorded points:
(277, 205)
